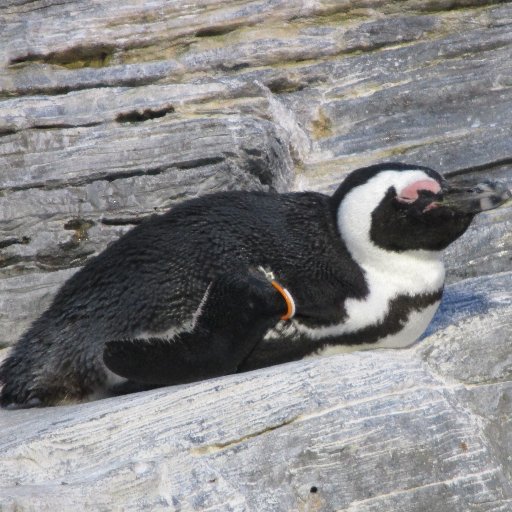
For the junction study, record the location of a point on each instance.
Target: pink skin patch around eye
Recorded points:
(410, 193)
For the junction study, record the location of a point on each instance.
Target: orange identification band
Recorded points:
(290, 303)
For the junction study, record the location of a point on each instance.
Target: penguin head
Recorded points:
(397, 207)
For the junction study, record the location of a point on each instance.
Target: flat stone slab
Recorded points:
(410, 430)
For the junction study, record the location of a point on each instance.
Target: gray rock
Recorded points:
(109, 113)
(378, 430)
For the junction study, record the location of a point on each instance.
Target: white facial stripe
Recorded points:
(354, 224)
(388, 274)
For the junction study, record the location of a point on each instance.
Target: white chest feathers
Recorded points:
(411, 276)
(406, 275)
(411, 330)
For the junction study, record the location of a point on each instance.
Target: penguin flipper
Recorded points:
(155, 361)
(237, 311)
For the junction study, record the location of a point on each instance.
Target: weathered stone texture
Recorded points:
(111, 111)
(411, 430)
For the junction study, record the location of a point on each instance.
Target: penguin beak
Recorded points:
(472, 199)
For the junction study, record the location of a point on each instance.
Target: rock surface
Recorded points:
(111, 112)
(427, 428)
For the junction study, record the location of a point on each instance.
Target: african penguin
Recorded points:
(240, 280)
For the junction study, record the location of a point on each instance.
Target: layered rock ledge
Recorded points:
(109, 113)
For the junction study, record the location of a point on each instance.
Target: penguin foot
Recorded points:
(23, 386)
(32, 403)
(20, 398)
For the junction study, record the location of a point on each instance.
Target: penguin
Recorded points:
(235, 281)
